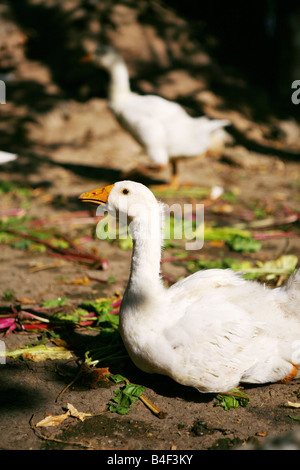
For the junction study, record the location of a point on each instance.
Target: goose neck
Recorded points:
(146, 254)
(119, 84)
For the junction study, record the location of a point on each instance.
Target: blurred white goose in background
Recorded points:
(211, 330)
(6, 157)
(162, 127)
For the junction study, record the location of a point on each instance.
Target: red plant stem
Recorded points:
(262, 236)
(116, 304)
(67, 253)
(115, 312)
(36, 326)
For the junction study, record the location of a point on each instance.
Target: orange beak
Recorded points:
(86, 58)
(97, 196)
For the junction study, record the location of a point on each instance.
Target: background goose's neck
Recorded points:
(119, 82)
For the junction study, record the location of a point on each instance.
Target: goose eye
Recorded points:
(125, 191)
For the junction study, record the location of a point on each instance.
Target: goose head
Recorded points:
(104, 56)
(130, 198)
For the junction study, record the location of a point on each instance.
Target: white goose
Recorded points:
(212, 330)
(162, 127)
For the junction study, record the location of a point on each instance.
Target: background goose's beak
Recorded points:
(86, 58)
(97, 196)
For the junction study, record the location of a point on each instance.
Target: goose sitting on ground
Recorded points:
(162, 127)
(212, 330)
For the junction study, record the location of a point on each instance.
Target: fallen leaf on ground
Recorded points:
(53, 420)
(232, 399)
(52, 353)
(55, 302)
(293, 404)
(222, 209)
(59, 342)
(24, 300)
(80, 281)
(56, 420)
(125, 397)
(238, 243)
(77, 414)
(93, 377)
(217, 243)
(261, 433)
(41, 353)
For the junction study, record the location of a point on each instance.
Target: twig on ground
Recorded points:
(159, 413)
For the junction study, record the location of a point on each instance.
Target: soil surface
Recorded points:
(57, 120)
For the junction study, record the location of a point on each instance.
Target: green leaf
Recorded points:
(58, 243)
(8, 295)
(187, 191)
(110, 348)
(103, 309)
(55, 302)
(117, 378)
(224, 263)
(125, 397)
(75, 317)
(6, 237)
(121, 410)
(232, 399)
(22, 245)
(125, 243)
(246, 244)
(284, 264)
(229, 197)
(224, 233)
(8, 187)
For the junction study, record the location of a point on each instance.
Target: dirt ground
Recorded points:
(68, 143)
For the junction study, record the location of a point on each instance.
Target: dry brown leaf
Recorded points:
(38, 355)
(81, 281)
(77, 414)
(91, 377)
(217, 243)
(59, 342)
(56, 420)
(53, 420)
(261, 433)
(223, 209)
(24, 300)
(293, 404)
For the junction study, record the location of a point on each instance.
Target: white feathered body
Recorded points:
(211, 330)
(214, 330)
(163, 128)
